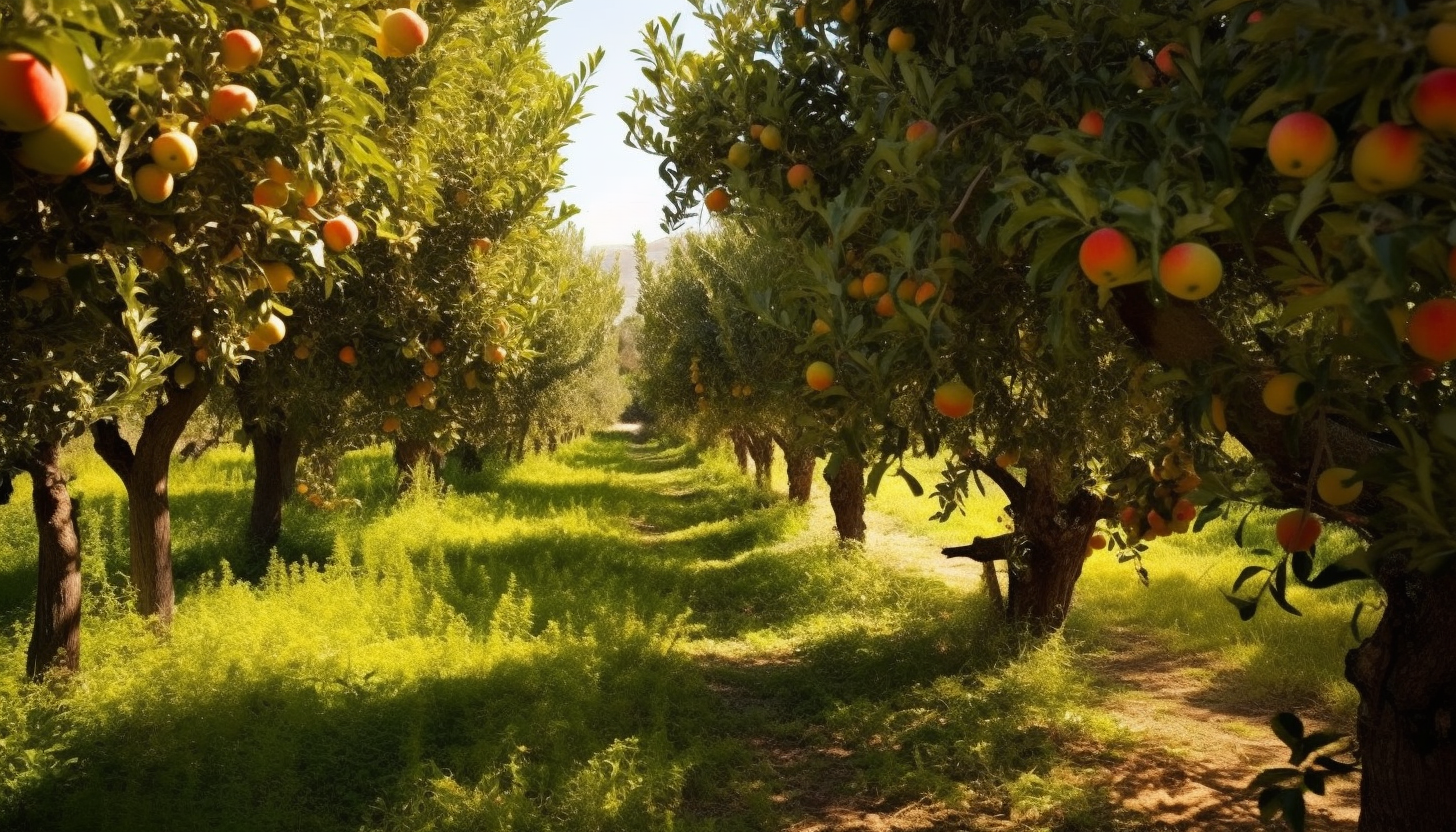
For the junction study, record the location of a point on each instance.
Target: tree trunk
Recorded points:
(847, 497)
(275, 462)
(1407, 719)
(144, 471)
(410, 454)
(551, 442)
(801, 474)
(760, 447)
(56, 639)
(740, 450)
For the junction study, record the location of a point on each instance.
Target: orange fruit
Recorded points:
(32, 93)
(885, 306)
(874, 284)
(954, 400)
(1091, 124)
(391, 424)
(240, 50)
(925, 294)
(1165, 59)
(855, 289)
(1432, 330)
(717, 201)
(1008, 459)
(65, 147)
(820, 376)
(820, 327)
(919, 130)
(313, 193)
(482, 246)
(1298, 531)
(174, 152)
(348, 355)
(231, 102)
(1191, 271)
(1107, 255)
(270, 194)
(1333, 489)
(1441, 43)
(771, 138)
(279, 276)
(431, 368)
(495, 354)
(153, 184)
(901, 40)
(1284, 393)
(1434, 103)
(340, 233)
(907, 289)
(1300, 144)
(1388, 158)
(800, 176)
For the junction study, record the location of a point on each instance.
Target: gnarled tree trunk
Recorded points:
(57, 632)
(409, 454)
(275, 462)
(801, 474)
(1045, 551)
(144, 471)
(847, 497)
(760, 447)
(740, 450)
(1407, 720)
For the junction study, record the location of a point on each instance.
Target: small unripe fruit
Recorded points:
(153, 184)
(241, 50)
(800, 176)
(1107, 255)
(1091, 124)
(1333, 489)
(184, 374)
(279, 276)
(404, 31)
(313, 193)
(901, 40)
(820, 376)
(740, 154)
(1283, 393)
(1008, 459)
(1190, 271)
(231, 102)
(65, 147)
(348, 355)
(1165, 59)
(1432, 330)
(340, 233)
(1298, 531)
(717, 201)
(32, 93)
(174, 152)
(954, 400)
(771, 138)
(1388, 158)
(1300, 144)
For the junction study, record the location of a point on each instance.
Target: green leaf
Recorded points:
(1290, 731)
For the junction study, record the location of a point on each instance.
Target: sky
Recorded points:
(616, 187)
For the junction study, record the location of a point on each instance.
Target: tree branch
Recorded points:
(984, 549)
(113, 449)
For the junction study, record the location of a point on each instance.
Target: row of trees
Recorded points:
(1082, 213)
(340, 226)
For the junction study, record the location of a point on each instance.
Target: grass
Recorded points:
(622, 637)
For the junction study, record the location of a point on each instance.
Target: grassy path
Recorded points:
(623, 637)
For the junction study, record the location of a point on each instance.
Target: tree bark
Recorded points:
(1407, 720)
(801, 474)
(410, 454)
(761, 449)
(144, 471)
(740, 450)
(275, 462)
(847, 497)
(56, 639)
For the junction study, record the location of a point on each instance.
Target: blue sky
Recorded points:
(616, 187)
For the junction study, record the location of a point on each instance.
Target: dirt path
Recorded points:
(1191, 770)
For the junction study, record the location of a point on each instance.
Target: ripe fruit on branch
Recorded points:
(921, 129)
(279, 276)
(278, 172)
(1432, 330)
(404, 32)
(1190, 271)
(1218, 415)
(771, 138)
(1434, 102)
(348, 355)
(885, 306)
(391, 424)
(801, 17)
(231, 102)
(906, 289)
(153, 258)
(1092, 124)
(849, 12)
(65, 147)
(1441, 43)
(436, 347)
(482, 246)
(926, 293)
(1097, 542)
(874, 284)
(270, 194)
(174, 152)
(740, 154)
(431, 369)
(241, 50)
(717, 201)
(32, 93)
(755, 131)
(184, 373)
(153, 184)
(1255, 16)
(495, 354)
(820, 327)
(820, 376)
(1333, 489)
(313, 193)
(1300, 144)
(1388, 158)
(340, 233)
(1284, 393)
(1298, 531)
(954, 400)
(800, 176)
(267, 334)
(1107, 255)
(855, 288)
(1165, 59)
(1008, 459)
(901, 40)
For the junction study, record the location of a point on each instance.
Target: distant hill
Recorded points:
(622, 256)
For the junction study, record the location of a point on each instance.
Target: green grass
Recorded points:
(623, 637)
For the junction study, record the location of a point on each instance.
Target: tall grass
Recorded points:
(622, 637)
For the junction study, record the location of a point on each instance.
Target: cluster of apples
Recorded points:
(1166, 510)
(874, 286)
(1191, 271)
(34, 102)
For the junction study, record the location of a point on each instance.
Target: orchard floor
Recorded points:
(629, 636)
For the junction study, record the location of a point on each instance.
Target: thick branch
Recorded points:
(984, 549)
(1006, 481)
(113, 449)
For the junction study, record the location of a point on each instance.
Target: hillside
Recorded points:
(622, 256)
